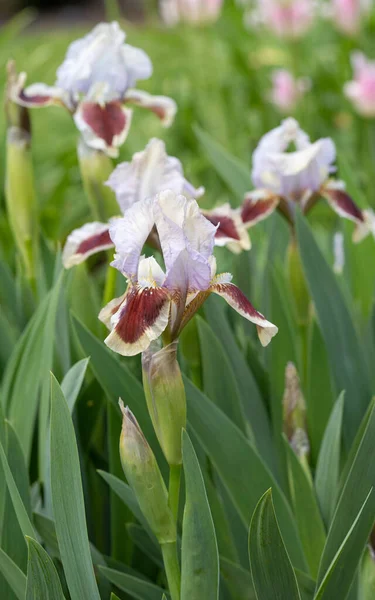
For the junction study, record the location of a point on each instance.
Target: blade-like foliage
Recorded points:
(271, 569)
(199, 554)
(68, 504)
(346, 357)
(43, 582)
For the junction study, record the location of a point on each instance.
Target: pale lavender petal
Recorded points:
(129, 235)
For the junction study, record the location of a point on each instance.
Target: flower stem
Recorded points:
(172, 569)
(110, 285)
(174, 489)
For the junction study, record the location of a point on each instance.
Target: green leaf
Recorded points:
(47, 531)
(19, 508)
(142, 539)
(328, 466)
(30, 371)
(241, 469)
(306, 510)
(68, 503)
(235, 174)
(346, 357)
(238, 580)
(219, 381)
(271, 569)
(199, 555)
(124, 491)
(13, 575)
(319, 397)
(72, 382)
(252, 401)
(43, 582)
(360, 480)
(306, 585)
(339, 576)
(136, 588)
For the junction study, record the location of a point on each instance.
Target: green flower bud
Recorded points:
(166, 400)
(144, 477)
(96, 167)
(19, 179)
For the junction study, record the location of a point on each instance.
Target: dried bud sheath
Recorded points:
(166, 400)
(143, 474)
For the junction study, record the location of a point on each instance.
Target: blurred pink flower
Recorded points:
(361, 90)
(190, 11)
(287, 18)
(287, 90)
(348, 14)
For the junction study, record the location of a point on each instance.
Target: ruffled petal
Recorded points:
(150, 172)
(85, 241)
(237, 300)
(106, 314)
(165, 108)
(103, 126)
(129, 235)
(141, 318)
(340, 201)
(230, 230)
(258, 205)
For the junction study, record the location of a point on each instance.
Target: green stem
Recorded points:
(110, 285)
(174, 489)
(172, 569)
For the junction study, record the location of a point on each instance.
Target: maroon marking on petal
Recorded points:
(238, 298)
(141, 310)
(344, 203)
(106, 121)
(94, 242)
(227, 227)
(253, 209)
(35, 100)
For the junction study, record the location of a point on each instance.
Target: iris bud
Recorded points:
(165, 396)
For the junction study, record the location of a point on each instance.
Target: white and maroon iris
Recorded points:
(160, 301)
(149, 172)
(288, 170)
(361, 90)
(230, 229)
(95, 84)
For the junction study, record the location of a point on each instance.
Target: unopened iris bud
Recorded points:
(19, 185)
(96, 168)
(295, 413)
(165, 396)
(143, 474)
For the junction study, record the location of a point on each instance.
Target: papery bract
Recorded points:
(158, 302)
(94, 83)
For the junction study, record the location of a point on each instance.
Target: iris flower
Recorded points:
(290, 170)
(150, 172)
(95, 83)
(159, 302)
